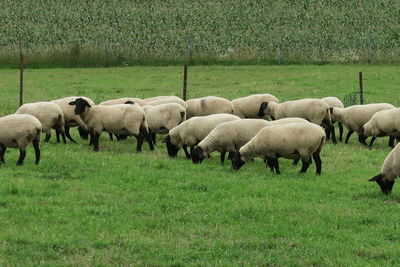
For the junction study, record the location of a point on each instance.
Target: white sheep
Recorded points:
(354, 117)
(116, 119)
(231, 136)
(123, 100)
(50, 116)
(382, 123)
(164, 117)
(389, 172)
(71, 119)
(333, 102)
(248, 107)
(208, 105)
(293, 141)
(158, 100)
(313, 110)
(192, 131)
(17, 131)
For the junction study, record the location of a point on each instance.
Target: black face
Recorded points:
(129, 102)
(237, 163)
(171, 148)
(386, 186)
(197, 155)
(80, 105)
(261, 112)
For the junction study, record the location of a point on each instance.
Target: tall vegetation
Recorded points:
(79, 33)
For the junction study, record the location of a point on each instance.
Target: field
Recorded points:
(117, 207)
(119, 33)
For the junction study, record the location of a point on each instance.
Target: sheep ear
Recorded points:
(376, 178)
(129, 102)
(88, 105)
(166, 139)
(263, 106)
(73, 103)
(331, 110)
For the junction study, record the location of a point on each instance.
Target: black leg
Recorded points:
(47, 137)
(58, 136)
(269, 162)
(63, 137)
(304, 167)
(318, 162)
(153, 138)
(37, 150)
(2, 153)
(372, 142)
(332, 130)
(327, 133)
(348, 136)
(276, 165)
(391, 141)
(149, 141)
(139, 140)
(223, 158)
(95, 136)
(340, 131)
(111, 136)
(188, 156)
(230, 155)
(295, 161)
(68, 135)
(361, 139)
(22, 154)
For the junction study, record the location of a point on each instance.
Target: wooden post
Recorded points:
(106, 55)
(185, 81)
(189, 51)
(360, 79)
(21, 75)
(278, 49)
(369, 48)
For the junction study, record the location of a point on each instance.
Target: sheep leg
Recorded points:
(332, 130)
(327, 133)
(223, 158)
(340, 131)
(270, 163)
(139, 140)
(111, 136)
(230, 155)
(48, 135)
(318, 162)
(68, 135)
(95, 139)
(276, 164)
(295, 161)
(22, 154)
(391, 141)
(348, 136)
(362, 139)
(153, 137)
(372, 142)
(188, 156)
(304, 167)
(2, 153)
(37, 150)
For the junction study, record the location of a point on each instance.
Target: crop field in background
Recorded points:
(118, 207)
(119, 33)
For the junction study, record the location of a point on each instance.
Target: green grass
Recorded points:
(117, 207)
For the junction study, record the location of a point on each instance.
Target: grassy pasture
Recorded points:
(117, 207)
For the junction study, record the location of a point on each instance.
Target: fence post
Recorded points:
(369, 47)
(106, 55)
(278, 49)
(360, 79)
(21, 74)
(185, 68)
(189, 51)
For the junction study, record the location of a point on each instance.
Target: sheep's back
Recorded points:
(17, 130)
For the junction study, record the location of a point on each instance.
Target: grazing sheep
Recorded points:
(117, 119)
(354, 117)
(231, 136)
(248, 107)
(293, 141)
(71, 119)
(389, 172)
(50, 116)
(332, 102)
(208, 105)
(313, 110)
(192, 131)
(164, 117)
(382, 123)
(17, 131)
(123, 100)
(158, 100)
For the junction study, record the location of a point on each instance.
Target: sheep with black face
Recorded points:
(116, 119)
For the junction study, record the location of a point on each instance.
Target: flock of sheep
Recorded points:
(248, 127)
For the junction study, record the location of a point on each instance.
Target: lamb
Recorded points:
(231, 136)
(158, 100)
(192, 131)
(71, 119)
(50, 116)
(117, 119)
(248, 107)
(354, 117)
(382, 123)
(313, 110)
(17, 131)
(332, 102)
(207, 106)
(164, 117)
(123, 100)
(292, 141)
(389, 172)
